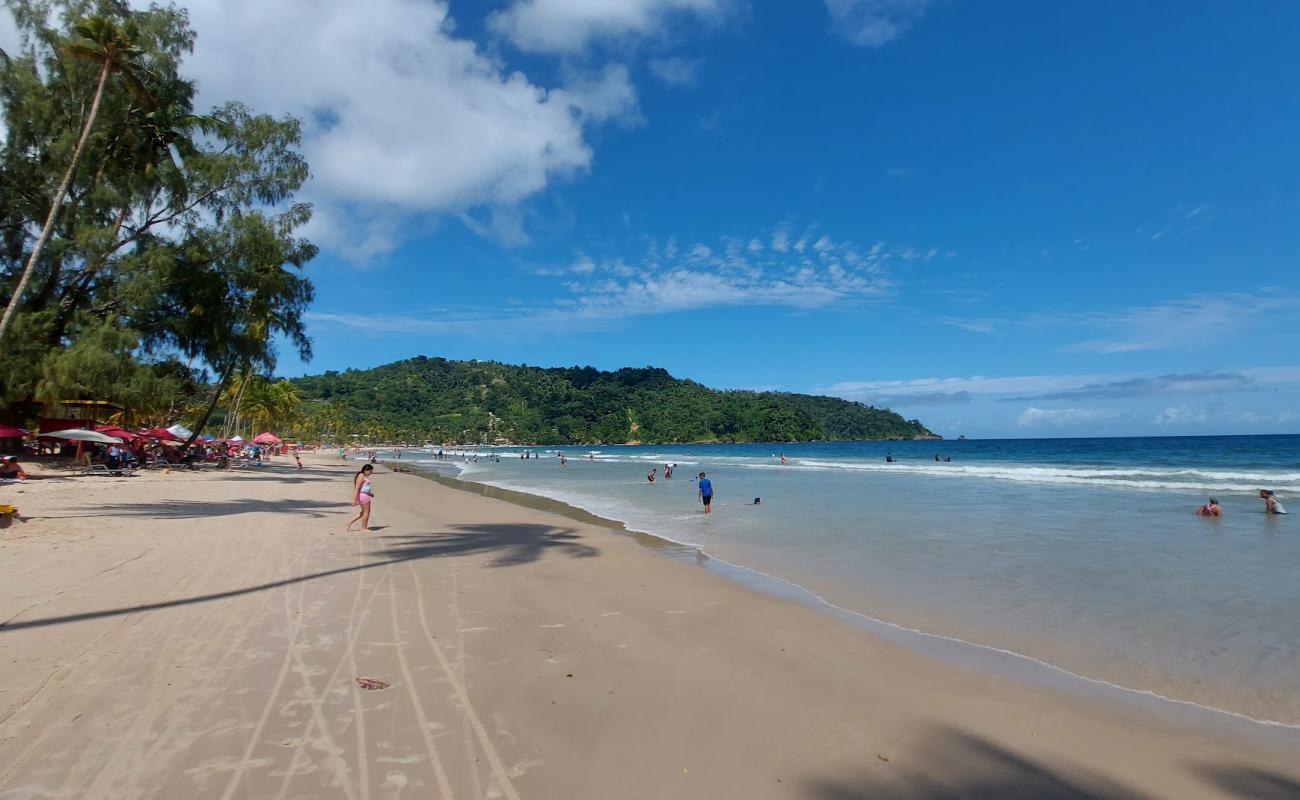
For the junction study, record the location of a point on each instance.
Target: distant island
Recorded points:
(435, 399)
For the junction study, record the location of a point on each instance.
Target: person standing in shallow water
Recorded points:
(363, 494)
(706, 493)
(1271, 504)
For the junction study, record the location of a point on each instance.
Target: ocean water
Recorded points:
(1082, 553)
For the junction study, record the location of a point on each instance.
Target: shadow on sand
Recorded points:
(513, 543)
(963, 766)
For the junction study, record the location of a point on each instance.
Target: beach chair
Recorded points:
(103, 469)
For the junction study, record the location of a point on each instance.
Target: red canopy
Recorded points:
(114, 430)
(266, 438)
(161, 434)
(10, 432)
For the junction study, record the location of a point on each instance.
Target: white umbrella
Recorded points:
(236, 438)
(180, 431)
(83, 435)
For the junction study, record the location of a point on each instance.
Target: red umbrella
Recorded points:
(162, 434)
(266, 438)
(10, 432)
(114, 430)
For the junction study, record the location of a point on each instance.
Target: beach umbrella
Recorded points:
(83, 435)
(160, 433)
(180, 431)
(236, 439)
(266, 438)
(10, 432)
(114, 430)
(207, 437)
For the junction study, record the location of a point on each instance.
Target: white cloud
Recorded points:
(1094, 386)
(676, 71)
(1183, 323)
(874, 23)
(404, 120)
(568, 26)
(1256, 418)
(600, 291)
(1034, 416)
(1189, 322)
(1181, 415)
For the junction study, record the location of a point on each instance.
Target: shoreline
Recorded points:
(199, 634)
(953, 649)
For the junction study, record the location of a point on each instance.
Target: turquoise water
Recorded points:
(1083, 553)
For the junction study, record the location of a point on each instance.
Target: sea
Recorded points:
(1084, 555)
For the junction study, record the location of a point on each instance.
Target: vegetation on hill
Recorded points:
(483, 401)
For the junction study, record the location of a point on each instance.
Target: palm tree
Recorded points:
(99, 41)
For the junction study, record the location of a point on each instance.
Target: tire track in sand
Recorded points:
(458, 686)
(443, 786)
(291, 638)
(354, 633)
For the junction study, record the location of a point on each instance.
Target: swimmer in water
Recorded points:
(1271, 504)
(1210, 509)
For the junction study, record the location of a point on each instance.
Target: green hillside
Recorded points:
(480, 401)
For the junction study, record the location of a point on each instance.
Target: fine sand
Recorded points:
(200, 635)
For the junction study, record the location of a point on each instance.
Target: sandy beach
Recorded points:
(201, 635)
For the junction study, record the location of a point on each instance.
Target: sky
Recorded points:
(1004, 219)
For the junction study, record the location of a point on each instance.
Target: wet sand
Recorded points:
(200, 635)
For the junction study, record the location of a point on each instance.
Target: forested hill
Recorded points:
(481, 401)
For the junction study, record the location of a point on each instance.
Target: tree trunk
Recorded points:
(216, 395)
(51, 217)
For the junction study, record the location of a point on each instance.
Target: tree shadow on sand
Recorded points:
(198, 509)
(959, 765)
(1245, 781)
(516, 544)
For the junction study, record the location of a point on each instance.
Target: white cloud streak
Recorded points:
(597, 292)
(675, 71)
(1183, 323)
(1033, 416)
(874, 23)
(568, 26)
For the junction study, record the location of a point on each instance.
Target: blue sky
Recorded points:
(1005, 219)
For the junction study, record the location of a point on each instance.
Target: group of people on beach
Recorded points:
(1271, 505)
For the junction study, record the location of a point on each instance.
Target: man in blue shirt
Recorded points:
(706, 492)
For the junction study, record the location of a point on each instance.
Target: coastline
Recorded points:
(949, 648)
(198, 634)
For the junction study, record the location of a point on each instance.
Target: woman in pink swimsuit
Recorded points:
(362, 495)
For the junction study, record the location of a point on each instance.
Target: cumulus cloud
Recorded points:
(568, 26)
(1035, 417)
(404, 119)
(874, 23)
(675, 71)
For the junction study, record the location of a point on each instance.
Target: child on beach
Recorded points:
(363, 493)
